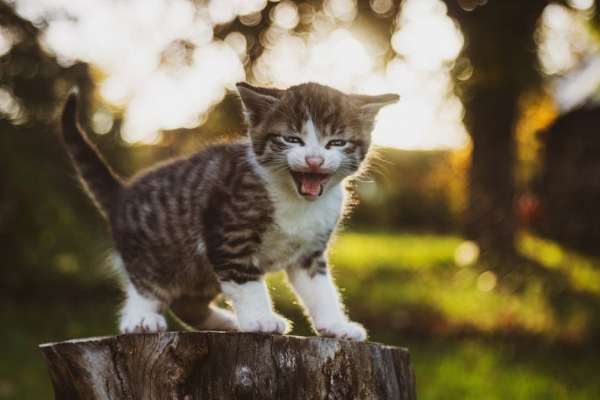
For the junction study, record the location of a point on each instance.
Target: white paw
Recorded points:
(219, 320)
(142, 323)
(343, 330)
(271, 323)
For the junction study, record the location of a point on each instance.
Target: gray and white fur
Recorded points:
(219, 220)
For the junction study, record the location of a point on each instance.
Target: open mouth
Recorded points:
(310, 185)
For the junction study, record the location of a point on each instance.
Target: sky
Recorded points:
(136, 48)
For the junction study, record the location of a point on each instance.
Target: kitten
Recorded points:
(222, 218)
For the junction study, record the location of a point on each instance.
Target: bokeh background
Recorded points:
(476, 240)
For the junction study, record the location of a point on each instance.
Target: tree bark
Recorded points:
(491, 218)
(213, 365)
(499, 44)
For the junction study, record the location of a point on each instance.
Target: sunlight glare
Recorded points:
(224, 11)
(581, 4)
(427, 38)
(102, 121)
(568, 52)
(163, 67)
(6, 41)
(344, 10)
(563, 39)
(285, 14)
(428, 116)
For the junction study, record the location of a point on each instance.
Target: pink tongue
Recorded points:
(311, 184)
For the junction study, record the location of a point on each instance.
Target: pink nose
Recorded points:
(314, 162)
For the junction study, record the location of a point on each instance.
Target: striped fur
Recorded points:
(220, 219)
(101, 183)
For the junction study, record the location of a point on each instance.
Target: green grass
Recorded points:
(486, 369)
(468, 338)
(402, 277)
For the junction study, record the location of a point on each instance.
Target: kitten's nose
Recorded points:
(314, 163)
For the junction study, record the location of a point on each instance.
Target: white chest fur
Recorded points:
(298, 224)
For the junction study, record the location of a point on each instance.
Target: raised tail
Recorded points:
(99, 180)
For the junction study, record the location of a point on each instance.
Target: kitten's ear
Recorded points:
(370, 105)
(257, 101)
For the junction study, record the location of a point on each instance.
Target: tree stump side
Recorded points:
(215, 365)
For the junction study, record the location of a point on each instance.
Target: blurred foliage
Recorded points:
(538, 112)
(40, 224)
(418, 190)
(529, 331)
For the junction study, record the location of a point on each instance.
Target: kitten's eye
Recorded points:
(338, 143)
(293, 139)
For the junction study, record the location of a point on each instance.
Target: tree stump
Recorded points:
(214, 365)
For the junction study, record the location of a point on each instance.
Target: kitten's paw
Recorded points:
(142, 323)
(343, 330)
(272, 323)
(219, 320)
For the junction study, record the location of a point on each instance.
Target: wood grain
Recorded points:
(215, 365)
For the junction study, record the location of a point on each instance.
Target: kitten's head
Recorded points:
(310, 136)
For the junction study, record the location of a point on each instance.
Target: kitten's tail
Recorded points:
(99, 180)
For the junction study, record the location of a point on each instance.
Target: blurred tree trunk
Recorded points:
(491, 220)
(499, 42)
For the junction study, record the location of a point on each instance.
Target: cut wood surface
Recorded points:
(215, 365)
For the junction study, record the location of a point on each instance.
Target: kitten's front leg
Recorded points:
(252, 305)
(235, 220)
(314, 285)
(242, 283)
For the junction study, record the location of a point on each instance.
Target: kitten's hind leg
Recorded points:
(141, 313)
(219, 319)
(199, 314)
